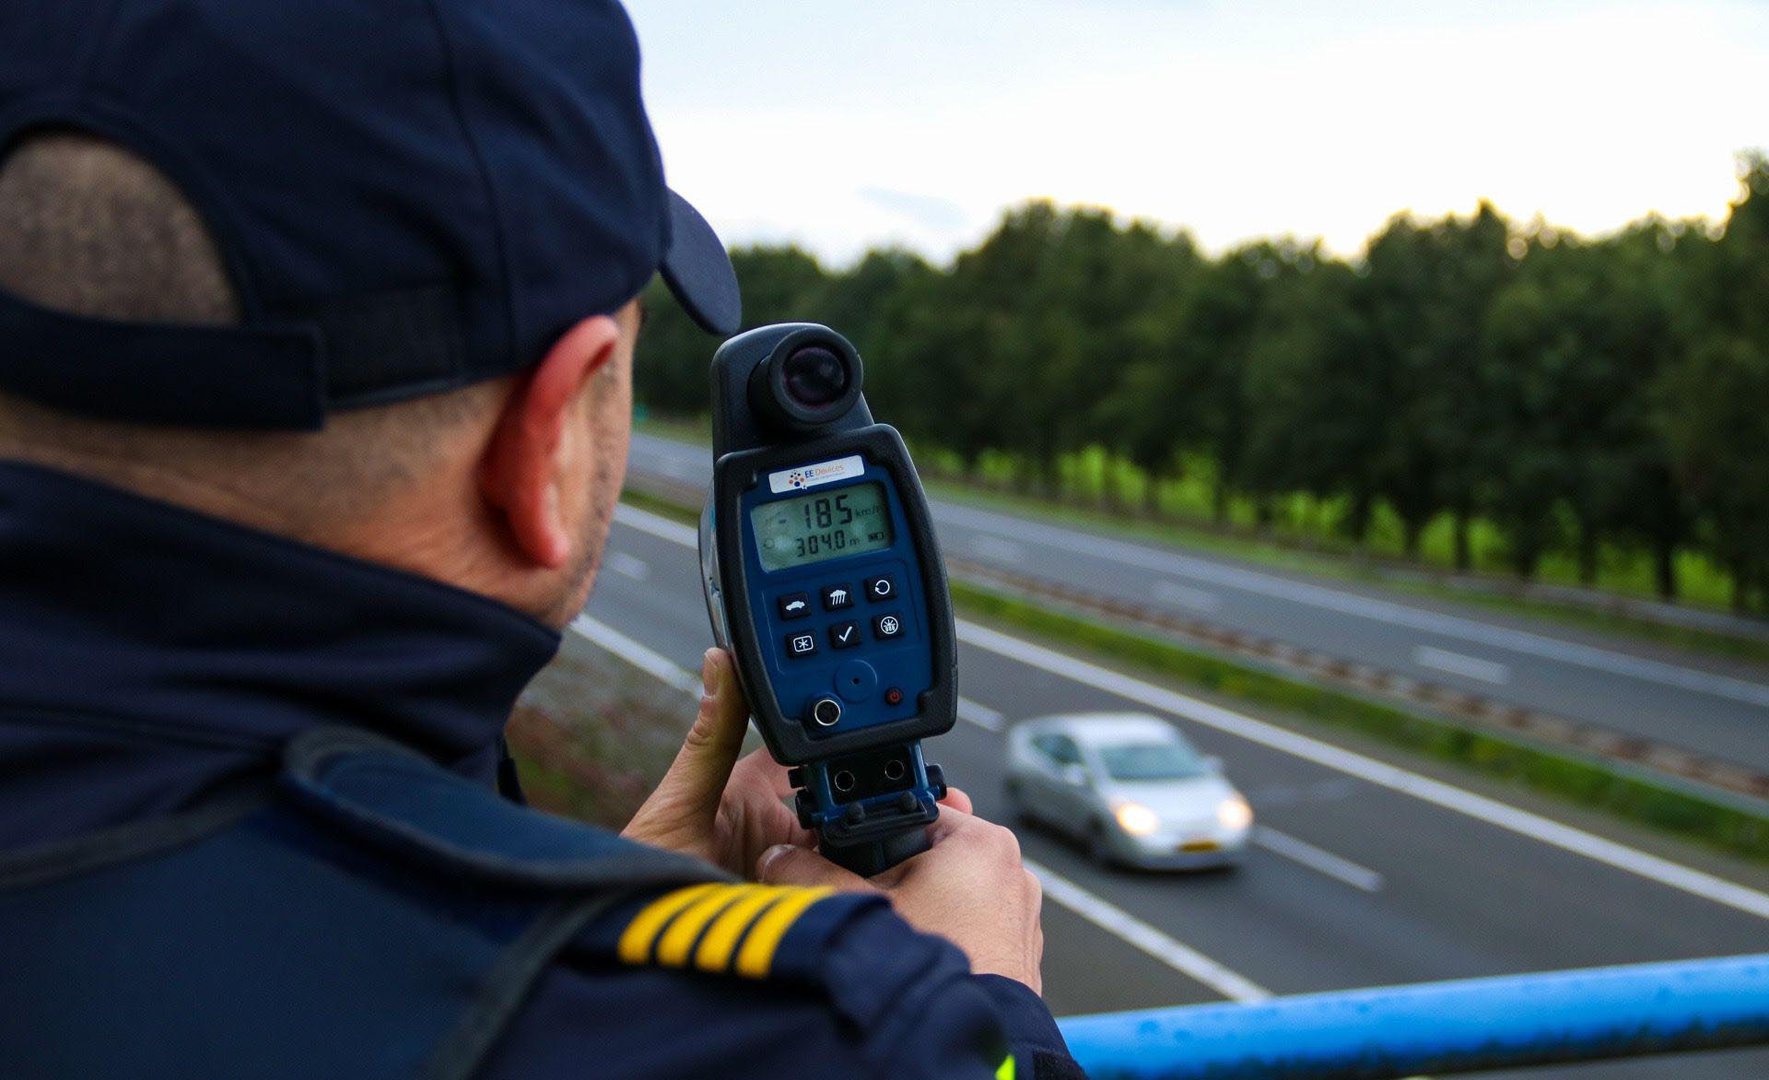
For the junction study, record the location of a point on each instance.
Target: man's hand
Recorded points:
(710, 804)
(969, 888)
(732, 813)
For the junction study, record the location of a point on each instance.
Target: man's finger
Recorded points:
(704, 763)
(786, 864)
(957, 800)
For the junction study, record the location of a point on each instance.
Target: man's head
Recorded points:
(360, 275)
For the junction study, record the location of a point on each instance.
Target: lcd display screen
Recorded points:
(811, 528)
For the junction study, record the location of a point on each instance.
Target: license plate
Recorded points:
(1199, 845)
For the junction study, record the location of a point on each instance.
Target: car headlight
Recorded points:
(1234, 813)
(1137, 819)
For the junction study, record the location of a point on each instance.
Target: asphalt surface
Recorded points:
(1705, 705)
(1363, 874)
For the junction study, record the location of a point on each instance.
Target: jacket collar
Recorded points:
(136, 618)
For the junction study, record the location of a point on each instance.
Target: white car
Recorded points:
(1129, 786)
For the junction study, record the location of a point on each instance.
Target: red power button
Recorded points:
(893, 696)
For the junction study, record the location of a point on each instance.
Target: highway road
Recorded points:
(1362, 873)
(1704, 705)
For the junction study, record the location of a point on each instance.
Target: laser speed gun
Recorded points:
(824, 581)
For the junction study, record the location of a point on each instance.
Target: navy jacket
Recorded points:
(246, 808)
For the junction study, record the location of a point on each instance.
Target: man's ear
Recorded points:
(529, 454)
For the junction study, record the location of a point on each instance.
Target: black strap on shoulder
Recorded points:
(106, 847)
(501, 996)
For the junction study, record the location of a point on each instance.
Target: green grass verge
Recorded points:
(644, 500)
(1582, 782)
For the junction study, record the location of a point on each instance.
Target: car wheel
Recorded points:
(1016, 803)
(1099, 849)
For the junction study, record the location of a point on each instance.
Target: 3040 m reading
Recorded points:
(809, 528)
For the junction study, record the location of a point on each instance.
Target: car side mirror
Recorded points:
(1075, 775)
(1213, 764)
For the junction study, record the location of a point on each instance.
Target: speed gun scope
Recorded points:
(824, 581)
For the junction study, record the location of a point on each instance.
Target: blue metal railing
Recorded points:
(1445, 1027)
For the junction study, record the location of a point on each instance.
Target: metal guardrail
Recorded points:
(1468, 1025)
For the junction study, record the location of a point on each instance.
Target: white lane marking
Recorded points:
(995, 549)
(1103, 914)
(1519, 641)
(627, 565)
(1469, 667)
(657, 525)
(653, 663)
(1122, 924)
(1317, 859)
(981, 715)
(1436, 792)
(692, 461)
(1192, 599)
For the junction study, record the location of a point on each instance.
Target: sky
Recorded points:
(842, 125)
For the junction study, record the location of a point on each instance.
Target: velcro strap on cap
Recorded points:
(261, 377)
(403, 803)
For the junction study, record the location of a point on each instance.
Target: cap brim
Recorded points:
(698, 271)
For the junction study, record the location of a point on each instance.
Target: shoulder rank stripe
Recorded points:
(685, 929)
(721, 928)
(636, 940)
(720, 941)
(756, 956)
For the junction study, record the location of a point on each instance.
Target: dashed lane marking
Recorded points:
(1469, 667)
(1320, 860)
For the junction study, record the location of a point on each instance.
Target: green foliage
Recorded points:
(1477, 392)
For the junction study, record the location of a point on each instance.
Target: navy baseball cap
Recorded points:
(410, 195)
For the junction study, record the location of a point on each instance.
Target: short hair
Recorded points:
(90, 228)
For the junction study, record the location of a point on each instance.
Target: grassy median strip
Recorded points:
(1577, 780)
(1587, 783)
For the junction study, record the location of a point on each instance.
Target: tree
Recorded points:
(1312, 424)
(1426, 289)
(1712, 411)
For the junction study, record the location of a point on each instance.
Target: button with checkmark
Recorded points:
(844, 635)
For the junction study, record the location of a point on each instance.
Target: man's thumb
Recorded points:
(789, 864)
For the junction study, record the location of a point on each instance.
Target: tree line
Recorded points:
(1576, 396)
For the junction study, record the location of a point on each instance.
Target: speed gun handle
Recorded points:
(870, 811)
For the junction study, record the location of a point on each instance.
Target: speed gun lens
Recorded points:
(815, 376)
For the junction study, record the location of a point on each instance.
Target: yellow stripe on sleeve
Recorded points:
(636, 939)
(721, 938)
(756, 957)
(1006, 1071)
(675, 944)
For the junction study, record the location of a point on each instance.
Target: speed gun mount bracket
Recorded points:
(824, 580)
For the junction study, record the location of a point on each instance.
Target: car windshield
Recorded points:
(1151, 761)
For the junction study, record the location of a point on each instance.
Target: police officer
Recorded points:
(316, 324)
